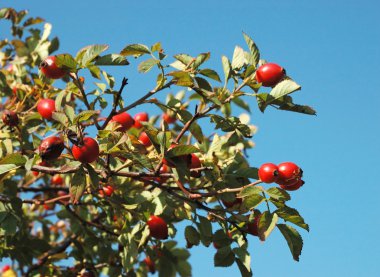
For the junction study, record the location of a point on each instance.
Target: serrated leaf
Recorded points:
(283, 88)
(292, 215)
(60, 117)
(278, 194)
(184, 59)
(182, 150)
(226, 68)
(77, 185)
(238, 59)
(181, 78)
(254, 51)
(111, 59)
(92, 52)
(147, 65)
(192, 236)
(66, 61)
(298, 108)
(69, 111)
(14, 158)
(58, 100)
(135, 49)
(212, 74)
(266, 224)
(95, 71)
(245, 259)
(252, 201)
(200, 59)
(293, 238)
(83, 116)
(224, 257)
(205, 230)
(250, 191)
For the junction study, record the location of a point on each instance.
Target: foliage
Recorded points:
(42, 224)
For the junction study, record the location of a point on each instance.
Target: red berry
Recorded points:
(57, 180)
(150, 264)
(169, 119)
(138, 118)
(46, 107)
(195, 163)
(289, 171)
(157, 227)
(87, 152)
(43, 163)
(49, 207)
(144, 139)
(108, 190)
(253, 227)
(268, 173)
(291, 184)
(50, 69)
(51, 148)
(230, 204)
(164, 169)
(270, 74)
(125, 120)
(6, 268)
(10, 118)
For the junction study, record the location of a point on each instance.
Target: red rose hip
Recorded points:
(268, 173)
(157, 227)
(50, 69)
(289, 171)
(46, 107)
(270, 74)
(57, 180)
(169, 119)
(51, 148)
(195, 163)
(291, 185)
(144, 139)
(140, 117)
(87, 152)
(125, 120)
(10, 118)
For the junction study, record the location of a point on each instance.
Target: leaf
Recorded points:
(184, 59)
(293, 238)
(4, 168)
(224, 257)
(226, 68)
(83, 116)
(182, 150)
(184, 268)
(245, 261)
(77, 185)
(181, 78)
(192, 236)
(266, 225)
(283, 88)
(292, 215)
(254, 51)
(212, 74)
(205, 230)
(58, 100)
(242, 104)
(248, 172)
(66, 61)
(94, 177)
(238, 59)
(252, 201)
(92, 52)
(298, 108)
(250, 191)
(147, 65)
(278, 194)
(200, 59)
(135, 49)
(14, 159)
(60, 117)
(111, 59)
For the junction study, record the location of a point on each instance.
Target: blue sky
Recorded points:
(332, 49)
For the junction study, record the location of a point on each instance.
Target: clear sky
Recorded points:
(332, 48)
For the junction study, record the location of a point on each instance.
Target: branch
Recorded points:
(45, 257)
(115, 103)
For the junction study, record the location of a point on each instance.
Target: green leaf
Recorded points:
(83, 116)
(61, 118)
(238, 59)
(245, 261)
(252, 201)
(249, 191)
(184, 268)
(242, 104)
(184, 59)
(297, 108)
(95, 71)
(224, 257)
(293, 238)
(181, 150)
(14, 159)
(135, 49)
(181, 78)
(147, 65)
(111, 59)
(69, 111)
(266, 225)
(284, 87)
(94, 177)
(78, 185)
(58, 100)
(212, 74)
(167, 268)
(92, 52)
(292, 215)
(200, 59)
(248, 172)
(66, 61)
(278, 194)
(192, 235)
(205, 230)
(254, 51)
(226, 68)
